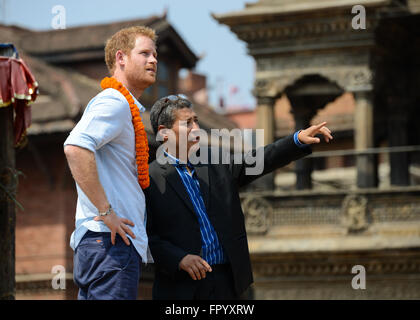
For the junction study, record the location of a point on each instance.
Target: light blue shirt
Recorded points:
(106, 129)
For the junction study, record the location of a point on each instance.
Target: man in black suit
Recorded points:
(195, 224)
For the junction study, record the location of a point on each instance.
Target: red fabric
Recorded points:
(23, 119)
(16, 81)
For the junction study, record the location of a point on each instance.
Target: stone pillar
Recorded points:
(303, 167)
(303, 110)
(266, 121)
(363, 138)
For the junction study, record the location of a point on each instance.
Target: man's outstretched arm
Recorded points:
(261, 161)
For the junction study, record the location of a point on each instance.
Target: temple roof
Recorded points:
(286, 7)
(88, 42)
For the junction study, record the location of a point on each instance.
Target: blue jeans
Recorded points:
(103, 271)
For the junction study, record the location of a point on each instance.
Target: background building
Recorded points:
(356, 200)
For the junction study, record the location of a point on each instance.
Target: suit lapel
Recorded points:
(174, 180)
(171, 175)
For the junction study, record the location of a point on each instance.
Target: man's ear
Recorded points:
(120, 58)
(162, 132)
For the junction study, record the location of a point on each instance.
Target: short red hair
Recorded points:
(125, 40)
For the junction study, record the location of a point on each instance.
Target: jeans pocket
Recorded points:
(94, 240)
(87, 262)
(120, 254)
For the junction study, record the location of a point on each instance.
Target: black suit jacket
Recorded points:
(173, 227)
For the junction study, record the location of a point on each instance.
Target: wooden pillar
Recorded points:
(366, 164)
(7, 206)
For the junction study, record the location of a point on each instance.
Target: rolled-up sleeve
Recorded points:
(102, 122)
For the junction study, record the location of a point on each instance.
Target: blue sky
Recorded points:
(225, 61)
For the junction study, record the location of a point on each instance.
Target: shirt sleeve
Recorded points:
(297, 141)
(102, 122)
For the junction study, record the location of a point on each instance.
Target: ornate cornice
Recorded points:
(350, 79)
(278, 31)
(352, 212)
(266, 100)
(373, 266)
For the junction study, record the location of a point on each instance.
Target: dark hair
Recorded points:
(162, 112)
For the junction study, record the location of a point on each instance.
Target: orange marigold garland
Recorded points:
(142, 145)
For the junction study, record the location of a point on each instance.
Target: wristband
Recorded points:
(107, 212)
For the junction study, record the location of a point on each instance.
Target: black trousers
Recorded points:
(217, 285)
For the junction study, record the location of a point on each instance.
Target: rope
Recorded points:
(322, 154)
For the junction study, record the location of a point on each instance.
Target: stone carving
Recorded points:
(278, 31)
(384, 212)
(337, 290)
(359, 80)
(276, 269)
(354, 212)
(351, 79)
(324, 60)
(339, 210)
(316, 215)
(258, 215)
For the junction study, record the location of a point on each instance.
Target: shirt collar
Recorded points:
(176, 162)
(138, 104)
